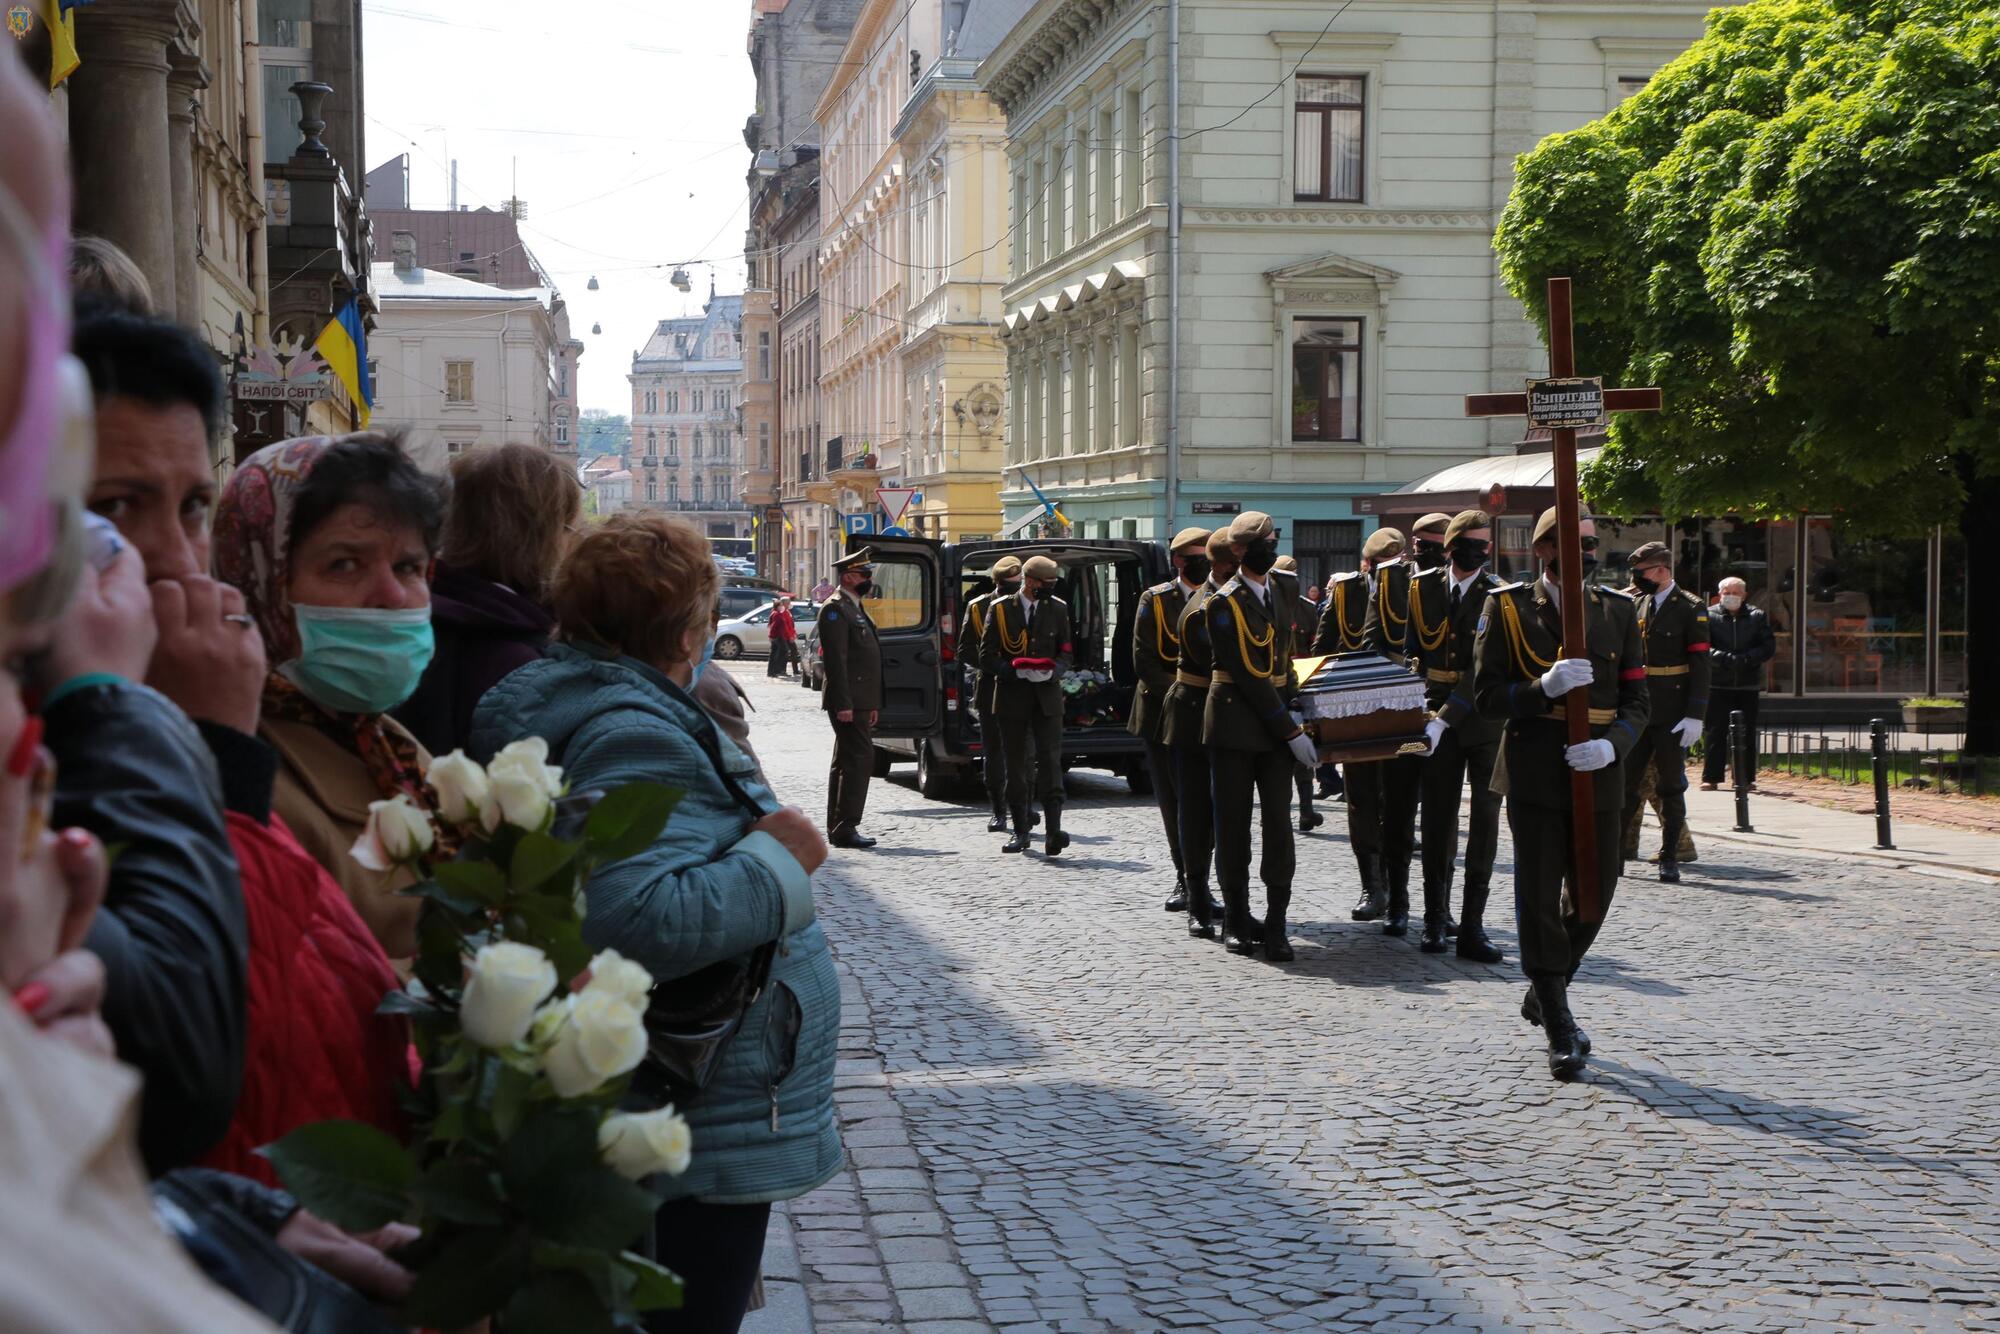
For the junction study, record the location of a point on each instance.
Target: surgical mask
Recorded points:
(702, 659)
(1430, 554)
(1260, 557)
(1468, 554)
(360, 659)
(1197, 569)
(1732, 601)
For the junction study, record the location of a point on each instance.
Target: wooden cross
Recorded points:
(1563, 397)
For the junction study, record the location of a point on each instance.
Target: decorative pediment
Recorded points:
(1331, 269)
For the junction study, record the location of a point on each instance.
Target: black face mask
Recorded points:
(1469, 555)
(1589, 566)
(864, 588)
(1430, 554)
(1009, 587)
(1261, 557)
(1644, 583)
(1032, 593)
(1196, 569)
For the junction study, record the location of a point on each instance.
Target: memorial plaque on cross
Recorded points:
(1561, 404)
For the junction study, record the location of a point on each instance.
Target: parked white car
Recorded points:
(748, 635)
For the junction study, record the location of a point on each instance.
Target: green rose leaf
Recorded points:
(460, 1192)
(352, 1175)
(481, 881)
(553, 1175)
(609, 1279)
(657, 1288)
(510, 1098)
(558, 1302)
(537, 860)
(628, 820)
(470, 1278)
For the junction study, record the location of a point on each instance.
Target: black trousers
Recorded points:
(784, 652)
(1238, 777)
(718, 1250)
(1302, 779)
(993, 764)
(1364, 808)
(1166, 789)
(853, 765)
(1659, 747)
(1195, 829)
(1034, 758)
(1715, 731)
(1553, 939)
(1443, 780)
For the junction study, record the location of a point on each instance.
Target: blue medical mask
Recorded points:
(360, 659)
(702, 660)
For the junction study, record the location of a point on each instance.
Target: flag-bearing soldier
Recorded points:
(1445, 607)
(1006, 577)
(852, 697)
(1387, 631)
(1305, 622)
(1673, 628)
(1343, 623)
(1254, 735)
(1521, 678)
(1027, 647)
(1156, 654)
(1181, 728)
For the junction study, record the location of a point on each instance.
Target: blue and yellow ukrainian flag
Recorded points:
(344, 346)
(58, 15)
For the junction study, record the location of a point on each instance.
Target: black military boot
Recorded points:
(1398, 919)
(1309, 819)
(1277, 949)
(998, 824)
(1179, 902)
(1204, 913)
(1472, 940)
(1566, 1054)
(1374, 900)
(1435, 916)
(1531, 1010)
(1019, 842)
(1238, 935)
(1055, 840)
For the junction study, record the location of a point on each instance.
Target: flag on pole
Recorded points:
(1048, 506)
(786, 516)
(60, 18)
(344, 345)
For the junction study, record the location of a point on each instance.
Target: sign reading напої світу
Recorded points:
(1574, 403)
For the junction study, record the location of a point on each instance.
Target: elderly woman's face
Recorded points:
(356, 559)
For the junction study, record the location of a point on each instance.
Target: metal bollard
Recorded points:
(1740, 749)
(1878, 758)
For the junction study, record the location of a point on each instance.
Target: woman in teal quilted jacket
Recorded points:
(635, 604)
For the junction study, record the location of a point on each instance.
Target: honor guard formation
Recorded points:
(1222, 654)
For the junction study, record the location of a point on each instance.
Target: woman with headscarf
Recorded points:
(331, 542)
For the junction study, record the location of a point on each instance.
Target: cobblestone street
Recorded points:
(1062, 1113)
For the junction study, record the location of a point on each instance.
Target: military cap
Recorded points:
(1251, 526)
(1430, 521)
(1041, 567)
(1382, 544)
(858, 560)
(1650, 553)
(1218, 546)
(1007, 567)
(1545, 527)
(1287, 564)
(1188, 537)
(1466, 521)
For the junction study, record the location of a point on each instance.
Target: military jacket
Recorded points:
(853, 653)
(1343, 620)
(1387, 628)
(1441, 642)
(1519, 638)
(1675, 636)
(1156, 655)
(1009, 636)
(971, 633)
(1188, 696)
(1250, 687)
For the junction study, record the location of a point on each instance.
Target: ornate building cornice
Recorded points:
(1048, 40)
(1384, 218)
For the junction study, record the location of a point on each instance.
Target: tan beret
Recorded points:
(1287, 564)
(1650, 553)
(1382, 544)
(1007, 567)
(1251, 526)
(1430, 521)
(1218, 546)
(1545, 527)
(1189, 537)
(1041, 567)
(1466, 521)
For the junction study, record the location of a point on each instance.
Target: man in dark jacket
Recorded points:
(1739, 644)
(1180, 728)
(1156, 657)
(852, 697)
(1027, 648)
(1006, 576)
(1305, 622)
(1343, 624)
(1673, 627)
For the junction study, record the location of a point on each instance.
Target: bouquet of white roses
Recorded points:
(523, 1176)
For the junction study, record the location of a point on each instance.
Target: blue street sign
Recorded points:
(857, 525)
(895, 530)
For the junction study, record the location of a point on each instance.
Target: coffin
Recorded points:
(1361, 706)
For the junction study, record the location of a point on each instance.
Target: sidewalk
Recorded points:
(1802, 829)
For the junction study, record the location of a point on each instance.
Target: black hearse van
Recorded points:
(921, 589)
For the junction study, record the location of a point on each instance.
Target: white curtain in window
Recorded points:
(1345, 128)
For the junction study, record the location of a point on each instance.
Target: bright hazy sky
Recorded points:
(624, 122)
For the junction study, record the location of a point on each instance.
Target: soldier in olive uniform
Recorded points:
(1429, 537)
(1388, 632)
(1006, 577)
(1445, 606)
(1027, 647)
(1520, 676)
(1254, 735)
(1305, 622)
(1156, 656)
(1343, 623)
(1673, 626)
(853, 695)
(1181, 730)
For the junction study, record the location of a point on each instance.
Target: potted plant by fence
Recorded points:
(1926, 713)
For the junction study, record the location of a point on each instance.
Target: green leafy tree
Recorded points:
(599, 432)
(1794, 230)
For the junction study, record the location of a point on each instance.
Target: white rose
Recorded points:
(523, 785)
(603, 1039)
(642, 1144)
(507, 982)
(397, 832)
(549, 1021)
(461, 787)
(614, 974)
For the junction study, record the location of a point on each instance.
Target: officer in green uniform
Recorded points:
(1253, 734)
(1445, 606)
(1027, 647)
(1428, 540)
(1387, 631)
(1521, 677)
(1673, 626)
(1006, 577)
(853, 695)
(1343, 624)
(1305, 622)
(1156, 656)
(1181, 730)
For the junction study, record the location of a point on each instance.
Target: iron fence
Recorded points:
(1929, 762)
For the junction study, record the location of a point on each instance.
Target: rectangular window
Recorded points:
(1131, 158)
(1326, 380)
(1102, 377)
(1128, 387)
(1324, 548)
(763, 356)
(1326, 138)
(1023, 202)
(697, 444)
(697, 400)
(898, 600)
(458, 382)
(722, 400)
(763, 445)
(1038, 209)
(1105, 171)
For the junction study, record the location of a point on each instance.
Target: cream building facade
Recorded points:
(687, 447)
(1339, 177)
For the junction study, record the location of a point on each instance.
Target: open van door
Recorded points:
(904, 605)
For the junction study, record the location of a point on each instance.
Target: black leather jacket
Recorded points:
(1739, 644)
(133, 770)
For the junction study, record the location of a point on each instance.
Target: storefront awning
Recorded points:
(1502, 484)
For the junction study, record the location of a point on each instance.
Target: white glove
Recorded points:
(1585, 756)
(1304, 751)
(1035, 675)
(1688, 730)
(1433, 733)
(1566, 675)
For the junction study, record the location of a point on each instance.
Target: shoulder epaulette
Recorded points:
(1616, 592)
(1348, 577)
(1161, 590)
(1515, 587)
(1694, 599)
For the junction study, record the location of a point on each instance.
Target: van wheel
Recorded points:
(729, 648)
(1140, 779)
(936, 780)
(883, 759)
